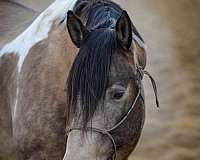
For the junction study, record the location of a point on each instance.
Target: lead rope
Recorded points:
(154, 87)
(143, 72)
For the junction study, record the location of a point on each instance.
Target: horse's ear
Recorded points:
(77, 30)
(140, 56)
(124, 30)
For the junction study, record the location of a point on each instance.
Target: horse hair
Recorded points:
(89, 75)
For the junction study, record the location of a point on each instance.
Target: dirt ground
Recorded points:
(171, 30)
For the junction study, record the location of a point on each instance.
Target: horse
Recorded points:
(71, 85)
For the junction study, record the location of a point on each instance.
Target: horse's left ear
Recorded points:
(124, 30)
(77, 30)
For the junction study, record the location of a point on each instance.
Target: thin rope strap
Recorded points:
(127, 114)
(141, 73)
(154, 86)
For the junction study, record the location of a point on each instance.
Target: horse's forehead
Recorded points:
(121, 69)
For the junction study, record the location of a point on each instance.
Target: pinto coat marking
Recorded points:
(38, 30)
(36, 63)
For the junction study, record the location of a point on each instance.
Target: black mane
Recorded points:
(89, 75)
(87, 9)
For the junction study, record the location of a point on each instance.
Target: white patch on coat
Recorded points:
(16, 102)
(38, 30)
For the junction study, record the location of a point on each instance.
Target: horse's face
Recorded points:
(102, 86)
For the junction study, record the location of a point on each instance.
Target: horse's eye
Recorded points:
(117, 95)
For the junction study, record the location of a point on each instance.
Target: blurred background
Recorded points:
(171, 29)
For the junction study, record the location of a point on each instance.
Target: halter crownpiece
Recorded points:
(140, 74)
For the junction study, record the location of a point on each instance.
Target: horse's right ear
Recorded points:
(77, 30)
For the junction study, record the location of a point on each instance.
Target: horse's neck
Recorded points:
(44, 43)
(57, 48)
(38, 30)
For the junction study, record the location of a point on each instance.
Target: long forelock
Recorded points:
(89, 75)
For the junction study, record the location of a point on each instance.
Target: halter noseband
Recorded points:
(139, 76)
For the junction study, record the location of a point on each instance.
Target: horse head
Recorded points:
(106, 107)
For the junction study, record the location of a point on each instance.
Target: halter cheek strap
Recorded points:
(107, 132)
